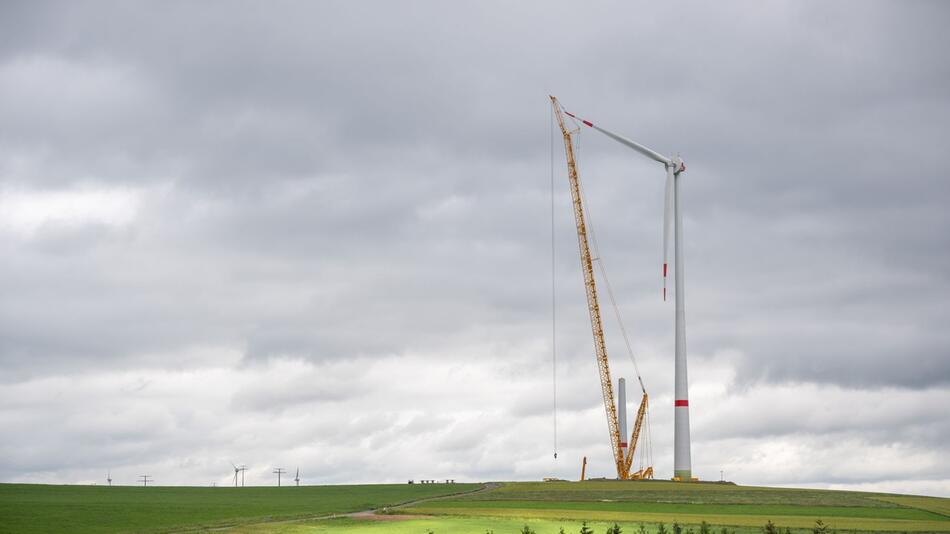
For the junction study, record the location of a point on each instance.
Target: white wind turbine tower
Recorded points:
(682, 464)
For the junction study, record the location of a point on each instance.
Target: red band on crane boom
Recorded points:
(681, 403)
(586, 123)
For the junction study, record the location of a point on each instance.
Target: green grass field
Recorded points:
(545, 507)
(444, 525)
(28, 509)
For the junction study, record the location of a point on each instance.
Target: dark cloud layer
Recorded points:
(319, 221)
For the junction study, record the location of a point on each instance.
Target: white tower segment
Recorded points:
(622, 411)
(682, 464)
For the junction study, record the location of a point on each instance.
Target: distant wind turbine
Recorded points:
(236, 471)
(297, 478)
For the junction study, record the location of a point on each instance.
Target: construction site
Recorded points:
(422, 267)
(631, 444)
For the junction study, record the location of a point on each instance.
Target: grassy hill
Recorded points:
(738, 507)
(545, 507)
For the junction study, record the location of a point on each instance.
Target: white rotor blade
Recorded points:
(667, 220)
(652, 154)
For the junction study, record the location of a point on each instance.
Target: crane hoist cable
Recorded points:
(553, 294)
(599, 259)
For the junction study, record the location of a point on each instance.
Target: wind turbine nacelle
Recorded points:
(678, 165)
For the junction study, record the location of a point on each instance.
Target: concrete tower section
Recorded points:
(682, 463)
(622, 411)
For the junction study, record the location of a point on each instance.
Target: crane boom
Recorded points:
(628, 461)
(593, 307)
(623, 462)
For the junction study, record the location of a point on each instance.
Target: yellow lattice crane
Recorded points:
(623, 462)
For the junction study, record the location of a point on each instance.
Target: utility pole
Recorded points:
(279, 471)
(145, 479)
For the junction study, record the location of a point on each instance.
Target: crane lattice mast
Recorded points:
(623, 462)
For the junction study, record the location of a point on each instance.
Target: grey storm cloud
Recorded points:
(301, 232)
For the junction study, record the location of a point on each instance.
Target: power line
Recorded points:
(279, 471)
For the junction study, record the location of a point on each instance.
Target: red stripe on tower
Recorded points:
(681, 403)
(588, 123)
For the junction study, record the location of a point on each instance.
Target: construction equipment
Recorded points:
(646, 472)
(672, 220)
(623, 462)
(583, 469)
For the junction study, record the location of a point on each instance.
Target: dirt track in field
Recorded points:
(376, 514)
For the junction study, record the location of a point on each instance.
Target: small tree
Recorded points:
(614, 529)
(585, 529)
(661, 529)
(561, 531)
(770, 528)
(527, 530)
(820, 527)
(642, 529)
(677, 529)
(704, 528)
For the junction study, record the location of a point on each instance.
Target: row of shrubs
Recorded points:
(704, 528)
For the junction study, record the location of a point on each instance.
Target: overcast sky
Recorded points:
(318, 235)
